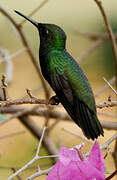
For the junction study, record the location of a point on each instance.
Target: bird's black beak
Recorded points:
(32, 21)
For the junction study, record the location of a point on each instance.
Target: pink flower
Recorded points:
(73, 165)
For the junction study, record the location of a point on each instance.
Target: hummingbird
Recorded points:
(66, 78)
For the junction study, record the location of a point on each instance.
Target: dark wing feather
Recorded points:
(78, 110)
(64, 92)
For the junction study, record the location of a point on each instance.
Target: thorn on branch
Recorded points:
(107, 152)
(18, 176)
(109, 98)
(3, 95)
(30, 94)
(4, 80)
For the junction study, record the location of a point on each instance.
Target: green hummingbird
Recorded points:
(66, 78)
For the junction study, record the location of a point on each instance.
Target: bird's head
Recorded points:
(50, 35)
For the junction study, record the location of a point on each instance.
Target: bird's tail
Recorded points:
(88, 121)
(85, 118)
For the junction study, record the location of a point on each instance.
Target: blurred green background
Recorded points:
(72, 16)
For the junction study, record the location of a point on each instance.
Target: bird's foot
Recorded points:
(54, 100)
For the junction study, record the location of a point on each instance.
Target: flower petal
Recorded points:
(96, 158)
(62, 172)
(66, 155)
(74, 171)
(71, 167)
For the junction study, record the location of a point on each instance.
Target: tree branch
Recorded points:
(34, 11)
(110, 33)
(90, 49)
(109, 141)
(34, 100)
(37, 157)
(112, 175)
(94, 36)
(101, 90)
(36, 131)
(18, 112)
(106, 104)
(114, 48)
(26, 45)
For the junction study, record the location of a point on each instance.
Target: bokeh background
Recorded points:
(73, 16)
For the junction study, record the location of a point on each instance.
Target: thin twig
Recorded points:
(114, 154)
(106, 144)
(94, 36)
(77, 135)
(53, 125)
(114, 47)
(36, 131)
(19, 113)
(30, 94)
(109, 125)
(38, 173)
(18, 176)
(110, 33)
(13, 55)
(37, 157)
(33, 160)
(28, 122)
(34, 11)
(40, 142)
(112, 175)
(8, 64)
(108, 114)
(101, 90)
(26, 45)
(90, 49)
(12, 134)
(109, 141)
(106, 104)
(110, 85)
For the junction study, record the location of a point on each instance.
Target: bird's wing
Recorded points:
(63, 90)
(77, 109)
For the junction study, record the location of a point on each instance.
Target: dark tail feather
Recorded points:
(87, 120)
(80, 119)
